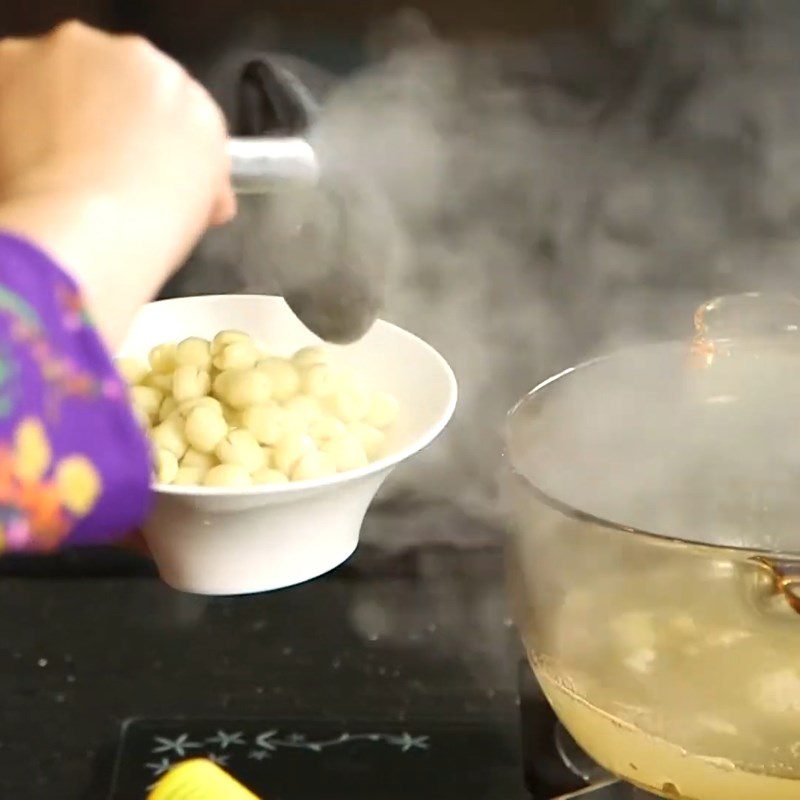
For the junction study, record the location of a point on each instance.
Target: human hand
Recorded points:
(112, 158)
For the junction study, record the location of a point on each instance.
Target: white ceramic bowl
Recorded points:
(238, 541)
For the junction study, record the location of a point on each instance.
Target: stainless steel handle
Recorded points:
(264, 164)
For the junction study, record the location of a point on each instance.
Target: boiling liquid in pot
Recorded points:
(655, 764)
(684, 706)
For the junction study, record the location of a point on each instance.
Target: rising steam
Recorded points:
(557, 198)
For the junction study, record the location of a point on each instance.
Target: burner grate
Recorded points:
(609, 790)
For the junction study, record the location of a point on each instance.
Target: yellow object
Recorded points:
(79, 484)
(199, 780)
(32, 453)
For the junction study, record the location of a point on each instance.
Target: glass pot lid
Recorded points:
(696, 440)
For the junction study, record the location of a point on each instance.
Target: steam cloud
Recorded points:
(560, 197)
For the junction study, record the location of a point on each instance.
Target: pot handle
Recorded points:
(721, 323)
(784, 578)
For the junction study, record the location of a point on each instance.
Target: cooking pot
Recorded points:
(654, 553)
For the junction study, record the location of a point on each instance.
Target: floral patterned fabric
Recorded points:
(74, 464)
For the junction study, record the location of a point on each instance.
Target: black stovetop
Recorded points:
(431, 756)
(416, 644)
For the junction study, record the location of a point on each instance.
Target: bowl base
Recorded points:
(181, 582)
(218, 547)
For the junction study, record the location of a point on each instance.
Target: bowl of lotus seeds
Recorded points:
(269, 445)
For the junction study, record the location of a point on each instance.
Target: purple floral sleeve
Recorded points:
(74, 465)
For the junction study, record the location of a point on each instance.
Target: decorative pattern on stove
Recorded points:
(286, 758)
(263, 745)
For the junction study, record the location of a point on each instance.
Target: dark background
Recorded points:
(186, 29)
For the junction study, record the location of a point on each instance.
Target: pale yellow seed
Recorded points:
(232, 416)
(147, 399)
(205, 429)
(269, 475)
(227, 337)
(304, 406)
(227, 475)
(321, 380)
(132, 370)
(269, 422)
(159, 380)
(189, 382)
(326, 427)
(347, 452)
(189, 476)
(194, 352)
(240, 447)
(313, 466)
(219, 384)
(309, 356)
(263, 422)
(371, 438)
(289, 449)
(211, 403)
(166, 466)
(169, 405)
(162, 358)
(238, 355)
(285, 379)
(175, 417)
(383, 411)
(350, 404)
(194, 458)
(243, 388)
(170, 436)
(243, 424)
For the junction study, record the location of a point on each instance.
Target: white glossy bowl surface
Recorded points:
(239, 541)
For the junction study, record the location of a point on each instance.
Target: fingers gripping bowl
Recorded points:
(251, 538)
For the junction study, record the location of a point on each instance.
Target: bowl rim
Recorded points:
(576, 513)
(388, 461)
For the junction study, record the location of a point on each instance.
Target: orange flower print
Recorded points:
(42, 506)
(7, 484)
(39, 499)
